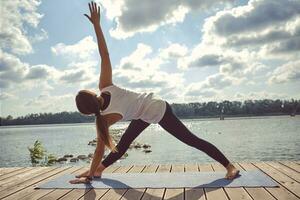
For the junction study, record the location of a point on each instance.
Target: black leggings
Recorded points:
(174, 126)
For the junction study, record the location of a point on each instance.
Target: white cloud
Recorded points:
(173, 51)
(83, 60)
(85, 49)
(289, 72)
(14, 73)
(134, 16)
(6, 95)
(265, 27)
(140, 71)
(259, 95)
(75, 76)
(40, 72)
(218, 81)
(12, 70)
(50, 103)
(15, 16)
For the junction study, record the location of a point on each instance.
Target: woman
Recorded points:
(115, 104)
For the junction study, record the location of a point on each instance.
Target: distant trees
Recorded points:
(237, 108)
(47, 118)
(187, 110)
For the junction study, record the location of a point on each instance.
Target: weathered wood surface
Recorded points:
(19, 183)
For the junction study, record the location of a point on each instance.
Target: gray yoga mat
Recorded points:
(253, 178)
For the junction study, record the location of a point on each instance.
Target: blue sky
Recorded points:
(183, 51)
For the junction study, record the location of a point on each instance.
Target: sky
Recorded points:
(181, 50)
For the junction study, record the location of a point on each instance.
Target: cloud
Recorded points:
(196, 90)
(173, 51)
(39, 72)
(14, 72)
(211, 86)
(74, 76)
(141, 72)
(289, 72)
(5, 96)
(238, 40)
(83, 60)
(219, 81)
(256, 16)
(266, 27)
(15, 18)
(135, 16)
(85, 49)
(229, 62)
(50, 103)
(287, 46)
(259, 95)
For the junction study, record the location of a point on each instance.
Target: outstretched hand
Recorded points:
(95, 13)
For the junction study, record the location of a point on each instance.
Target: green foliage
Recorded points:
(39, 156)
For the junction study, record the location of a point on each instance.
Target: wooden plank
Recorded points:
(193, 193)
(98, 193)
(206, 167)
(132, 193)
(285, 170)
(117, 193)
(280, 193)
(163, 168)
(152, 193)
(59, 193)
(4, 171)
(68, 193)
(291, 165)
(175, 193)
(30, 193)
(191, 167)
(283, 179)
(233, 193)
(19, 178)
(36, 178)
(212, 193)
(14, 173)
(257, 193)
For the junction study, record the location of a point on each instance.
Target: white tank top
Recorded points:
(132, 105)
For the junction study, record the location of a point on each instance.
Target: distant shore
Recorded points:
(204, 118)
(196, 110)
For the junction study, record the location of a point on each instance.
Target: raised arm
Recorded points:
(106, 69)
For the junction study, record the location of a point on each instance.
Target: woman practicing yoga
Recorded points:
(118, 104)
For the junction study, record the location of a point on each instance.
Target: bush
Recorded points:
(39, 156)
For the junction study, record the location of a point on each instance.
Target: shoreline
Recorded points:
(201, 118)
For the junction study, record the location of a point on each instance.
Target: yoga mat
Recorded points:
(253, 178)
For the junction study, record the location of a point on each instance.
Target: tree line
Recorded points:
(182, 110)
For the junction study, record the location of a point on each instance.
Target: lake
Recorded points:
(240, 139)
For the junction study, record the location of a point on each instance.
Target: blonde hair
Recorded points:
(87, 103)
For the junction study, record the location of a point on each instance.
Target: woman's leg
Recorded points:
(134, 129)
(174, 126)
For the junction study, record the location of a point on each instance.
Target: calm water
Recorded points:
(240, 139)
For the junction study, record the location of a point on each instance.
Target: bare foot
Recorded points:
(232, 172)
(79, 180)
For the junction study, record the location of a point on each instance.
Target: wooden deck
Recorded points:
(19, 183)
